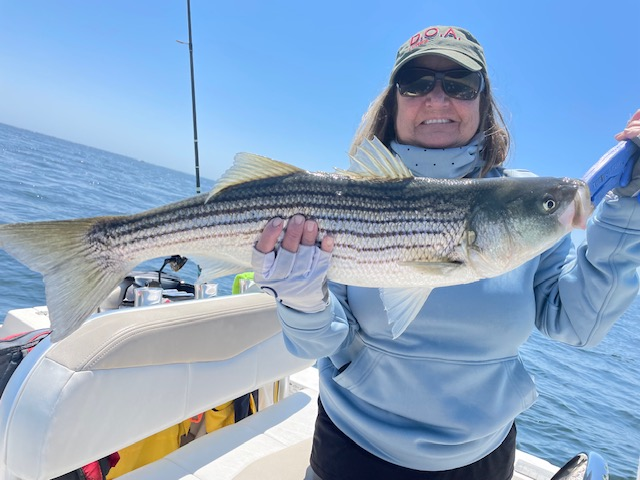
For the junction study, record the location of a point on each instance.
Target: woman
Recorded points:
(439, 401)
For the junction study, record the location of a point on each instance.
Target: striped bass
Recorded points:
(392, 231)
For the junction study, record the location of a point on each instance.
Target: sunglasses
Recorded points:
(460, 84)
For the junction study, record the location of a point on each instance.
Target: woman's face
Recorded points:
(436, 120)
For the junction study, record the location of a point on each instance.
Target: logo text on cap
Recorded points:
(422, 38)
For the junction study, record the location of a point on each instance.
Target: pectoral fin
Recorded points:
(438, 269)
(402, 306)
(211, 268)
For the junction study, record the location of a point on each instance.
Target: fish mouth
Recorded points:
(580, 209)
(584, 207)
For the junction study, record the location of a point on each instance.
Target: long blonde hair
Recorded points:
(379, 121)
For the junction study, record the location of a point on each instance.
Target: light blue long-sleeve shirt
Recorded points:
(446, 392)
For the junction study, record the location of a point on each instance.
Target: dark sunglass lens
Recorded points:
(462, 84)
(420, 87)
(414, 83)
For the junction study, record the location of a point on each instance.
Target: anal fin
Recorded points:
(402, 306)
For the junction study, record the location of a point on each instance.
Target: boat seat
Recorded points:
(129, 373)
(274, 444)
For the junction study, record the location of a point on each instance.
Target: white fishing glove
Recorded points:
(297, 280)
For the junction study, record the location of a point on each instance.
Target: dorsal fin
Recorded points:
(374, 160)
(248, 167)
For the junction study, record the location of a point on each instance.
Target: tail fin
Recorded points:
(75, 282)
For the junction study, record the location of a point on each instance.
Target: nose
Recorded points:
(436, 95)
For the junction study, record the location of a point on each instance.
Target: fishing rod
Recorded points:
(193, 99)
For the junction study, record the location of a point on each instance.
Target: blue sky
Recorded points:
(291, 79)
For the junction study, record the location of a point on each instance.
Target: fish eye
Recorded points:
(549, 204)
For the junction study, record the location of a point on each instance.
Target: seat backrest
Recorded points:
(127, 374)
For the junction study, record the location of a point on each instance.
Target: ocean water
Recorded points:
(589, 399)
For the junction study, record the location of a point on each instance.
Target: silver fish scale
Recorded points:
(372, 222)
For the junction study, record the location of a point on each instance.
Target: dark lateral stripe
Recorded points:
(260, 213)
(288, 204)
(244, 207)
(143, 236)
(174, 225)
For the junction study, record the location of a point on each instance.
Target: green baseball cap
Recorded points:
(454, 43)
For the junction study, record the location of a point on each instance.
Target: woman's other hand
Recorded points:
(632, 130)
(630, 183)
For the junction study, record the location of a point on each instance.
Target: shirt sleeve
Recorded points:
(321, 334)
(581, 292)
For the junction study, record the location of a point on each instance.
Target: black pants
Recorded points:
(335, 456)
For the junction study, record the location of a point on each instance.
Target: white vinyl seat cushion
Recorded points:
(272, 444)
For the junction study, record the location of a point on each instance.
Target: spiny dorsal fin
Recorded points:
(374, 160)
(248, 167)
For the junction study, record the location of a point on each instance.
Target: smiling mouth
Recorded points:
(437, 121)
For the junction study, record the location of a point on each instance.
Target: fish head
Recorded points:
(519, 218)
